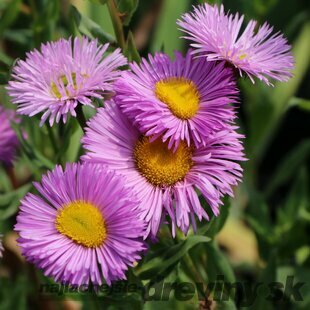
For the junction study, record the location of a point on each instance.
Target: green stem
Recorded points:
(81, 117)
(192, 272)
(52, 138)
(189, 266)
(117, 24)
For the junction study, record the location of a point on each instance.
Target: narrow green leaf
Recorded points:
(131, 51)
(7, 60)
(287, 168)
(98, 1)
(226, 305)
(217, 222)
(283, 92)
(302, 104)
(296, 200)
(20, 36)
(89, 28)
(170, 12)
(74, 147)
(5, 182)
(4, 78)
(158, 265)
(9, 202)
(217, 264)
(31, 152)
(9, 15)
(267, 276)
(258, 216)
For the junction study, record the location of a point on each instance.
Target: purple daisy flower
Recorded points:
(1, 246)
(84, 225)
(61, 76)
(8, 138)
(165, 180)
(218, 36)
(181, 100)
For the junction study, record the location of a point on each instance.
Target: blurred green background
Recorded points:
(262, 235)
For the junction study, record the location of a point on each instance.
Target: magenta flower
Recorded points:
(165, 181)
(83, 226)
(181, 100)
(8, 138)
(61, 76)
(218, 36)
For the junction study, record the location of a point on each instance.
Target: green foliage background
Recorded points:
(261, 235)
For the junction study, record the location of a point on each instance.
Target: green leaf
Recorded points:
(283, 92)
(217, 222)
(287, 168)
(13, 293)
(127, 8)
(74, 147)
(267, 276)
(34, 156)
(101, 16)
(4, 78)
(291, 237)
(89, 28)
(302, 104)
(217, 264)
(9, 15)
(268, 105)
(158, 266)
(258, 216)
(66, 133)
(294, 218)
(131, 51)
(7, 60)
(259, 210)
(98, 1)
(296, 200)
(167, 33)
(226, 305)
(300, 275)
(20, 36)
(43, 11)
(5, 182)
(9, 202)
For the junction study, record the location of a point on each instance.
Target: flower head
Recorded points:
(8, 138)
(218, 36)
(62, 75)
(181, 100)
(83, 226)
(165, 181)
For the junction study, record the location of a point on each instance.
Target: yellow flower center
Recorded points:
(243, 56)
(63, 79)
(83, 223)
(162, 166)
(180, 95)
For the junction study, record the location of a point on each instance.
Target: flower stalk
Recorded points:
(81, 117)
(117, 24)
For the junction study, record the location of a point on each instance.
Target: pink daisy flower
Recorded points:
(181, 100)
(8, 138)
(165, 181)
(62, 75)
(218, 36)
(82, 227)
